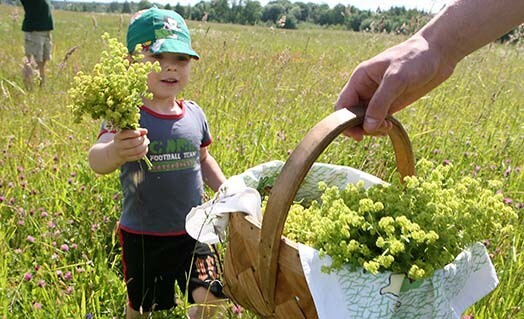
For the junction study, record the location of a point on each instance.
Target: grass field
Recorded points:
(262, 89)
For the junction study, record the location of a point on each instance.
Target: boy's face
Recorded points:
(173, 76)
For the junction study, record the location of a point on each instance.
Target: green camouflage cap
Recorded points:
(159, 31)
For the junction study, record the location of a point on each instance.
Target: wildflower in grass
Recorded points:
(37, 305)
(64, 247)
(74, 246)
(446, 162)
(2, 199)
(18, 251)
(69, 290)
(41, 283)
(237, 310)
(90, 316)
(28, 276)
(44, 214)
(68, 276)
(508, 200)
(59, 273)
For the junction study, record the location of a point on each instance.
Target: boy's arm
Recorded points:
(113, 150)
(211, 172)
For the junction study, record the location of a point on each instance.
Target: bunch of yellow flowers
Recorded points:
(113, 91)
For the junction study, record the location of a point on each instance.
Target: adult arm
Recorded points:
(112, 150)
(403, 73)
(211, 171)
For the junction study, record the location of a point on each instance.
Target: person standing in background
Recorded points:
(37, 26)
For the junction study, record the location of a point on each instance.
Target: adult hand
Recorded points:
(391, 81)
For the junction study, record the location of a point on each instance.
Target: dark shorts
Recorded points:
(152, 265)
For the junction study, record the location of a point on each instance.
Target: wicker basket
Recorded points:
(262, 269)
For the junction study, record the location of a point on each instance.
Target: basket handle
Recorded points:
(295, 170)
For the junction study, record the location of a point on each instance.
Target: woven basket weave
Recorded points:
(262, 269)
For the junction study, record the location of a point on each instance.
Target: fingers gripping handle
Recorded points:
(294, 172)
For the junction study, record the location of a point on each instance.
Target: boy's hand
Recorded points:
(130, 145)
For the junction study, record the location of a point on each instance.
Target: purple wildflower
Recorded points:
(28, 276)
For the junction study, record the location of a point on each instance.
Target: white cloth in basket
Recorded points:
(355, 294)
(207, 223)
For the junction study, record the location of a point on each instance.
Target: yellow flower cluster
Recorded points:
(413, 228)
(113, 91)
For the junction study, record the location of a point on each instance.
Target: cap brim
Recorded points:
(173, 46)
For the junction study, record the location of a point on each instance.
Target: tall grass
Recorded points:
(262, 89)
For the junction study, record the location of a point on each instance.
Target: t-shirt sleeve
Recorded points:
(104, 129)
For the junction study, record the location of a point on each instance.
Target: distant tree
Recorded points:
(167, 7)
(291, 22)
(113, 7)
(338, 14)
(273, 12)
(200, 10)
(181, 10)
(252, 12)
(220, 11)
(144, 4)
(126, 8)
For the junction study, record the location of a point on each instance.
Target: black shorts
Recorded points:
(152, 265)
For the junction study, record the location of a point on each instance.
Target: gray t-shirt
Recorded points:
(157, 201)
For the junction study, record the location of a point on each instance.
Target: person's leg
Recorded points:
(208, 305)
(41, 72)
(148, 288)
(28, 72)
(205, 286)
(134, 314)
(31, 48)
(46, 50)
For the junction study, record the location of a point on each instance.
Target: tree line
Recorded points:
(278, 13)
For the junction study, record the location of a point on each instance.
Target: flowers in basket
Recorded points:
(411, 228)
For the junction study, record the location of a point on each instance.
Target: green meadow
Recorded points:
(262, 89)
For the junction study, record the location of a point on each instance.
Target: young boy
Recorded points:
(156, 250)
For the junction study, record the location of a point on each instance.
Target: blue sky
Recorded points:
(426, 5)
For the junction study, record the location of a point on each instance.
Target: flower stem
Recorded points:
(148, 162)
